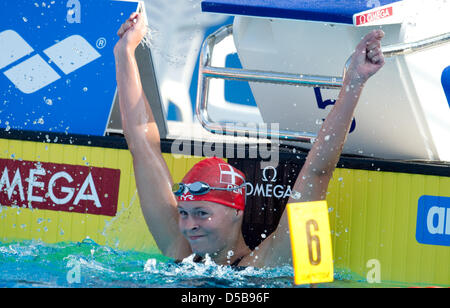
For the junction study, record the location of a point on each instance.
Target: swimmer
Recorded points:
(201, 215)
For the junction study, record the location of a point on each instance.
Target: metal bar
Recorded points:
(206, 72)
(409, 48)
(272, 77)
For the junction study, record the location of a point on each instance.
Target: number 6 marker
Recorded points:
(311, 242)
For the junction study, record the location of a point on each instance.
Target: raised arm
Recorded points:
(312, 182)
(153, 178)
(323, 157)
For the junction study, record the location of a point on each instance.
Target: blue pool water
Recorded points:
(35, 264)
(86, 264)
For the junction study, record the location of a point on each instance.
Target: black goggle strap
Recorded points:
(230, 188)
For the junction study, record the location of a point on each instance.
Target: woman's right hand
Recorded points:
(131, 33)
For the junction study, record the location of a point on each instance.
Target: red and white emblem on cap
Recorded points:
(228, 175)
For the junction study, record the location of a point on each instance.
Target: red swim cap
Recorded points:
(216, 173)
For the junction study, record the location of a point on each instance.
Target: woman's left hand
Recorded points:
(367, 58)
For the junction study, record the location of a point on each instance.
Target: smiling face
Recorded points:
(209, 227)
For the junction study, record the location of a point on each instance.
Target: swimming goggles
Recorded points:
(199, 188)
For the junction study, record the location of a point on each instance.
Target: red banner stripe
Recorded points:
(59, 187)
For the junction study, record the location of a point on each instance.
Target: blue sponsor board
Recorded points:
(445, 79)
(57, 70)
(433, 221)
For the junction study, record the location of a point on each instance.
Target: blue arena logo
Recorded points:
(433, 221)
(35, 73)
(57, 66)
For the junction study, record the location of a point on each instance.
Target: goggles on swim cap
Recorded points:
(199, 188)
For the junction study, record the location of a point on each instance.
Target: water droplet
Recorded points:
(296, 195)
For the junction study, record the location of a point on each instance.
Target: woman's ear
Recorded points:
(238, 214)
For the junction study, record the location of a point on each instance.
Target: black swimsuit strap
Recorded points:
(236, 262)
(198, 259)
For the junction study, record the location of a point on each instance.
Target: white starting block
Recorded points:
(403, 112)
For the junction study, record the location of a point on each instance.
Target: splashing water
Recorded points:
(151, 40)
(32, 264)
(190, 274)
(175, 41)
(35, 264)
(147, 40)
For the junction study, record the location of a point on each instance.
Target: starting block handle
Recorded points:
(207, 72)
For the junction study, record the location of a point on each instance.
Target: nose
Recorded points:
(191, 224)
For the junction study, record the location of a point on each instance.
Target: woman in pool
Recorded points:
(204, 214)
